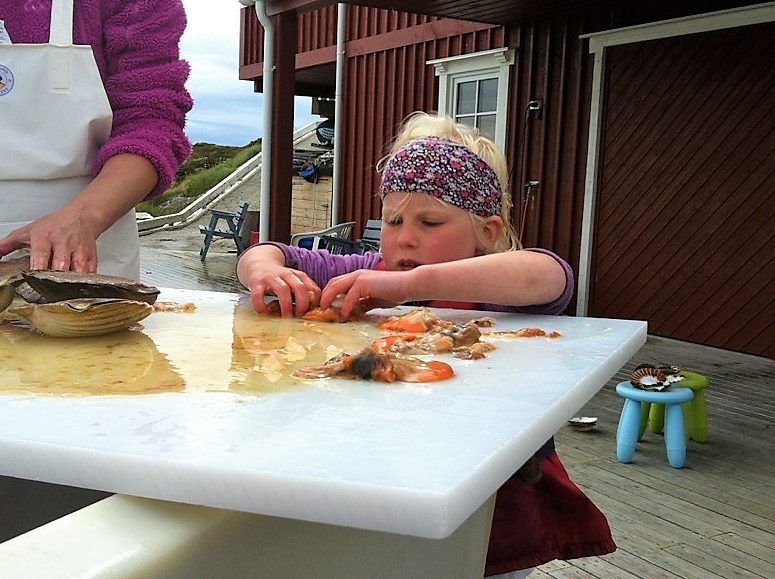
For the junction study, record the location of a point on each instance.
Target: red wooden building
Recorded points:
(641, 135)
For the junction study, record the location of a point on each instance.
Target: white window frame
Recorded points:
(483, 65)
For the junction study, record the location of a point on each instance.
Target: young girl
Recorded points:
(447, 241)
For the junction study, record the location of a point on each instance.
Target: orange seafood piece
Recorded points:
(435, 371)
(327, 315)
(416, 321)
(530, 332)
(333, 313)
(384, 345)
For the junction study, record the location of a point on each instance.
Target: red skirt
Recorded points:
(553, 519)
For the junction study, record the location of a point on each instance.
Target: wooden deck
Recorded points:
(713, 518)
(183, 269)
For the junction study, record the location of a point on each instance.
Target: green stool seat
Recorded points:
(695, 412)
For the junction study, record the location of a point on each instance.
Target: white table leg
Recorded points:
(126, 536)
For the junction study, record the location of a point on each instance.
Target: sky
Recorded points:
(226, 110)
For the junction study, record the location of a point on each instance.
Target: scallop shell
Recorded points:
(672, 373)
(583, 423)
(7, 292)
(84, 317)
(647, 377)
(10, 275)
(56, 286)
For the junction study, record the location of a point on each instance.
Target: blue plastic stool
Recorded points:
(629, 431)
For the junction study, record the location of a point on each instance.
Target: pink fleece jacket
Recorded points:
(135, 44)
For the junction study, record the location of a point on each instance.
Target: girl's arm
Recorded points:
(513, 278)
(291, 273)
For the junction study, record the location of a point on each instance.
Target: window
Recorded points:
(473, 89)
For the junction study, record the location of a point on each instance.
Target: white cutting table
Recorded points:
(234, 469)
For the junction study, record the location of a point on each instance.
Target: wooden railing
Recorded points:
(202, 204)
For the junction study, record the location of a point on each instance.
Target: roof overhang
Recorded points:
(488, 11)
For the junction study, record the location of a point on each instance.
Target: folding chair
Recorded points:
(314, 239)
(234, 223)
(369, 241)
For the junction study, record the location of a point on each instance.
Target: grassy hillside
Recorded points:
(207, 165)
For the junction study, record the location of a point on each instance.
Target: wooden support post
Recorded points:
(281, 178)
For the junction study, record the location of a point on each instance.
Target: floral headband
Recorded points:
(446, 170)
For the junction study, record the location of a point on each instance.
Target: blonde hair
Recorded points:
(419, 125)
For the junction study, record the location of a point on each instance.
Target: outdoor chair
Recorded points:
(234, 223)
(370, 240)
(316, 239)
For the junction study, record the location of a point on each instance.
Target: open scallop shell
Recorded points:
(10, 276)
(56, 286)
(648, 377)
(83, 317)
(7, 292)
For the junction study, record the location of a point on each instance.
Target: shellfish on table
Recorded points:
(10, 276)
(460, 339)
(372, 365)
(332, 314)
(55, 286)
(83, 316)
(72, 304)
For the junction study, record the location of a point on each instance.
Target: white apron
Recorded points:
(54, 115)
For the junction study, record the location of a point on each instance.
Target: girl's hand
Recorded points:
(295, 291)
(261, 269)
(378, 288)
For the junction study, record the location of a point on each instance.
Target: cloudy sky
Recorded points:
(226, 110)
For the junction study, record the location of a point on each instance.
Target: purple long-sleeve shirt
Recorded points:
(321, 267)
(135, 45)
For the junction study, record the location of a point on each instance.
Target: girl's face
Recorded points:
(418, 230)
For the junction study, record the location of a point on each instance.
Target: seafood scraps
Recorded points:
(463, 340)
(372, 365)
(525, 333)
(655, 377)
(332, 314)
(417, 321)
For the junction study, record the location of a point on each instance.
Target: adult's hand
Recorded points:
(63, 240)
(66, 239)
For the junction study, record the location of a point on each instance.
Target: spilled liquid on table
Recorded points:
(223, 346)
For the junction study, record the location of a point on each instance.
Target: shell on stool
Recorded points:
(672, 373)
(655, 377)
(648, 377)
